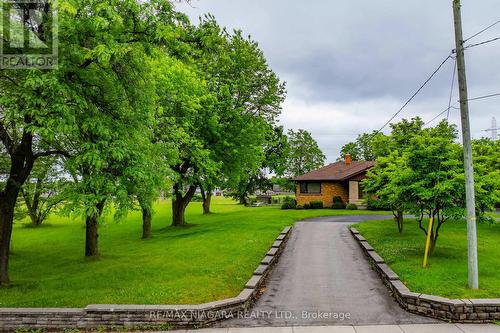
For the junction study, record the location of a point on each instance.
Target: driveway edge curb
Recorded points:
(146, 317)
(454, 310)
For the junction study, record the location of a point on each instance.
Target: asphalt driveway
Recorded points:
(323, 278)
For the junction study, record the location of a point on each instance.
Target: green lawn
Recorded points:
(447, 272)
(211, 259)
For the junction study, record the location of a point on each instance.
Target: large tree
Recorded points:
(249, 97)
(304, 153)
(85, 107)
(34, 110)
(433, 180)
(223, 99)
(151, 178)
(421, 172)
(185, 119)
(112, 137)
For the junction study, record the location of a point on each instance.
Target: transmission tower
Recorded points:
(493, 129)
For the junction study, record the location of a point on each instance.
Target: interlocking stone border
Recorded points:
(455, 310)
(143, 317)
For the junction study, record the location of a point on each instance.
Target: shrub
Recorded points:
(375, 204)
(299, 207)
(338, 203)
(337, 199)
(316, 204)
(289, 203)
(351, 206)
(307, 206)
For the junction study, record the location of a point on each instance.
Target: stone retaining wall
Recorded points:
(455, 310)
(145, 316)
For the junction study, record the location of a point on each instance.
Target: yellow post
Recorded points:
(428, 242)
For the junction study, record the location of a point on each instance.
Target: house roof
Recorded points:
(337, 171)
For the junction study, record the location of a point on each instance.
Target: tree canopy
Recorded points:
(420, 170)
(361, 149)
(141, 101)
(305, 154)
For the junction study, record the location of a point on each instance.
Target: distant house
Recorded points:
(337, 179)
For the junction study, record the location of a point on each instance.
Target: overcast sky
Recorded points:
(350, 65)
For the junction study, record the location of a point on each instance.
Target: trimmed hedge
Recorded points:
(338, 203)
(351, 206)
(289, 203)
(316, 204)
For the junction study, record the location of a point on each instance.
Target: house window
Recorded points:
(310, 188)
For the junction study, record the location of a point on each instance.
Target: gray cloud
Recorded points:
(350, 65)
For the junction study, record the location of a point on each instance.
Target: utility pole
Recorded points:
(469, 169)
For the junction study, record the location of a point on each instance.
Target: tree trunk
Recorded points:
(399, 220)
(179, 204)
(31, 213)
(33, 210)
(178, 210)
(434, 231)
(146, 222)
(432, 246)
(147, 216)
(6, 222)
(434, 237)
(243, 200)
(32, 206)
(92, 235)
(21, 165)
(36, 221)
(207, 200)
(20, 169)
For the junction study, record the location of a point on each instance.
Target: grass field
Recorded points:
(211, 259)
(447, 272)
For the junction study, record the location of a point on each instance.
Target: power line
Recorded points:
(480, 32)
(447, 110)
(440, 114)
(482, 43)
(415, 94)
(451, 90)
(483, 97)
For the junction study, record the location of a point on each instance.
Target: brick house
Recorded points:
(337, 179)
